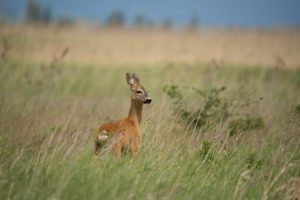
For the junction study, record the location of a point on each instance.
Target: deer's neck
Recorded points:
(135, 112)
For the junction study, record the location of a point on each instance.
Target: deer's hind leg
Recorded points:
(117, 150)
(97, 148)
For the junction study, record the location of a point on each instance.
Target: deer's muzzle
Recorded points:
(148, 101)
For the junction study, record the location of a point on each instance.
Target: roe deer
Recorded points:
(124, 135)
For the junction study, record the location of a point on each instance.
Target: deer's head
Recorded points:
(139, 93)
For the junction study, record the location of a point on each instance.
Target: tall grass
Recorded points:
(48, 118)
(97, 46)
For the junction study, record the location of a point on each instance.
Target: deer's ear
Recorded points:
(129, 79)
(136, 78)
(132, 78)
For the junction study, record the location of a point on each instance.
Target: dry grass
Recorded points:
(49, 110)
(275, 48)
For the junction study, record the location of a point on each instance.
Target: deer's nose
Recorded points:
(148, 101)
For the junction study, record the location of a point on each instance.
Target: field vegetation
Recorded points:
(219, 127)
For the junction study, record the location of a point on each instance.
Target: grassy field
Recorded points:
(247, 145)
(97, 46)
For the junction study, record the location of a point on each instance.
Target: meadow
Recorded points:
(224, 123)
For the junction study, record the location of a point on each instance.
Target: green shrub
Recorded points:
(173, 92)
(245, 124)
(211, 108)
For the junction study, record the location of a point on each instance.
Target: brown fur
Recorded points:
(124, 135)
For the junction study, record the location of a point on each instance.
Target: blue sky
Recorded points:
(246, 13)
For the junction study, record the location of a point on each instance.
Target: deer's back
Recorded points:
(125, 126)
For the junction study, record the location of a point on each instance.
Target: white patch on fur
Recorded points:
(102, 137)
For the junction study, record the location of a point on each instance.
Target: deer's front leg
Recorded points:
(133, 148)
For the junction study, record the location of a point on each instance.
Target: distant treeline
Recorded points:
(37, 13)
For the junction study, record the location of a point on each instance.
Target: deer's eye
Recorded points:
(139, 92)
